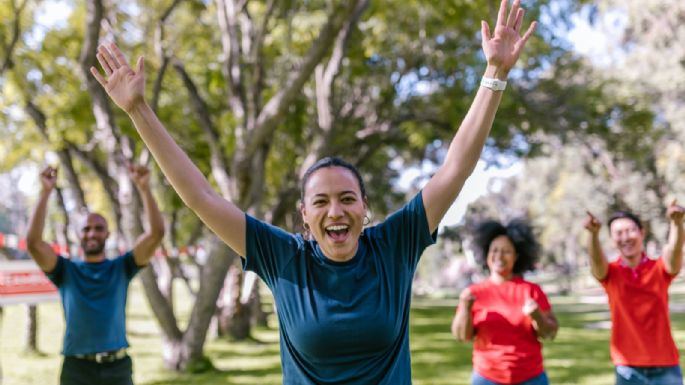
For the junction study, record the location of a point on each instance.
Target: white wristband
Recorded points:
(493, 84)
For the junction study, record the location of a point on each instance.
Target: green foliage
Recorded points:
(411, 66)
(606, 140)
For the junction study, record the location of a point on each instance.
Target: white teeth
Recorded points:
(337, 228)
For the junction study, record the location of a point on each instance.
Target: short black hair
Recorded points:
(521, 235)
(331, 161)
(624, 214)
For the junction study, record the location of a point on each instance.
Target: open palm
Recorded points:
(125, 86)
(502, 49)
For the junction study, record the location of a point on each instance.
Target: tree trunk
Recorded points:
(186, 352)
(259, 316)
(234, 316)
(31, 342)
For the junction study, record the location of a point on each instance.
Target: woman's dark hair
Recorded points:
(519, 232)
(331, 161)
(624, 214)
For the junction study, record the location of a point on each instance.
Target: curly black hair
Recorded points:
(519, 232)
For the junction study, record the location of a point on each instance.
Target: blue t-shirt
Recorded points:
(343, 322)
(94, 302)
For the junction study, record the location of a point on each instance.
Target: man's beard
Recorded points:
(96, 250)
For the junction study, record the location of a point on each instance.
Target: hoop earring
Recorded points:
(306, 234)
(366, 221)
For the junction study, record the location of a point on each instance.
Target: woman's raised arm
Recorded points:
(501, 50)
(126, 87)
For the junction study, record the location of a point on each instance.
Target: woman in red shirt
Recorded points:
(505, 315)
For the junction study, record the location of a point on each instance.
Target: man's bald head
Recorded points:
(94, 233)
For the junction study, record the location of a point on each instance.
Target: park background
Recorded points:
(255, 91)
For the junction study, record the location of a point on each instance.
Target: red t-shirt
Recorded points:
(641, 328)
(506, 348)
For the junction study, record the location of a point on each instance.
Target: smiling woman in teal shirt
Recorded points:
(343, 322)
(343, 292)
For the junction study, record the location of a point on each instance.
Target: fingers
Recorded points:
(118, 56)
(485, 32)
(525, 37)
(109, 63)
(138, 169)
(674, 211)
(140, 65)
(591, 224)
(519, 19)
(49, 172)
(104, 64)
(502, 14)
(513, 14)
(529, 32)
(98, 77)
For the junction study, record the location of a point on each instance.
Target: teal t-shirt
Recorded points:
(94, 302)
(343, 322)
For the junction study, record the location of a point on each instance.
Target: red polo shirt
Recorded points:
(641, 327)
(506, 348)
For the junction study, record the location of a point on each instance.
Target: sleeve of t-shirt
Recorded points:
(130, 266)
(539, 296)
(662, 266)
(407, 230)
(57, 274)
(269, 249)
(611, 270)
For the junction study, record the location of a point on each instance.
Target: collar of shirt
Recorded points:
(643, 259)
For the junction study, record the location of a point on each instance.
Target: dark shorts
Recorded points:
(660, 375)
(76, 371)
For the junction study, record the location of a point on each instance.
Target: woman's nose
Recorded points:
(334, 210)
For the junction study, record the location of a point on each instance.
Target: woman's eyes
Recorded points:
(322, 202)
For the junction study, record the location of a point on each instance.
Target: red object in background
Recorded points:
(24, 282)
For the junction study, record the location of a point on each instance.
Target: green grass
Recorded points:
(579, 355)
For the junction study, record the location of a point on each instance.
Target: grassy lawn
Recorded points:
(579, 355)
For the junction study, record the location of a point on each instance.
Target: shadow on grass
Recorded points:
(228, 377)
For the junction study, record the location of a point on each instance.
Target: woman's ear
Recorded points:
(303, 212)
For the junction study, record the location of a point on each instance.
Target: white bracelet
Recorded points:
(493, 84)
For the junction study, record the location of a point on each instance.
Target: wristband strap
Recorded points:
(493, 84)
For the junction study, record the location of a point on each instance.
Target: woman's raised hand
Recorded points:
(125, 86)
(502, 49)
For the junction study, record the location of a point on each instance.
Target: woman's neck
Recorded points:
(500, 278)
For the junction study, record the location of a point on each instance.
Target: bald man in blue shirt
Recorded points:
(94, 290)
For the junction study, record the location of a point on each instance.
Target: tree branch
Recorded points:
(218, 162)
(161, 52)
(39, 119)
(226, 13)
(275, 108)
(16, 31)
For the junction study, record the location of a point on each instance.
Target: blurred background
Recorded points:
(256, 91)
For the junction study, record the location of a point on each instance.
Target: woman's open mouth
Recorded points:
(338, 232)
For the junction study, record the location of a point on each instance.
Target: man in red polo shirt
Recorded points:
(642, 347)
